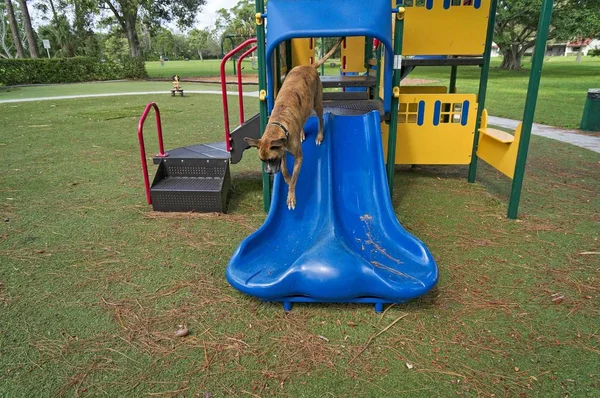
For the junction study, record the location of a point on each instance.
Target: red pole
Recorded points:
(224, 89)
(143, 147)
(239, 78)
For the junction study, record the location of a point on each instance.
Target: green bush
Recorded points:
(67, 70)
(595, 52)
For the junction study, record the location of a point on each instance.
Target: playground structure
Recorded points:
(343, 242)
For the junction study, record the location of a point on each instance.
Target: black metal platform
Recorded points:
(348, 81)
(213, 150)
(350, 108)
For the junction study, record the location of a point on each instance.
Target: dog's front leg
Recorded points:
(291, 198)
(284, 170)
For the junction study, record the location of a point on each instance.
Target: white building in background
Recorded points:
(571, 48)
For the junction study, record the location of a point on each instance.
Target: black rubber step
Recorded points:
(348, 81)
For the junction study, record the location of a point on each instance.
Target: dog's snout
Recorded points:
(272, 166)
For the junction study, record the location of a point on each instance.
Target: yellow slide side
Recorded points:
(498, 148)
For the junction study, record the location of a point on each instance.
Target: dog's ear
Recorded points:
(277, 143)
(252, 141)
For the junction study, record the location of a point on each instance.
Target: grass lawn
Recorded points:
(562, 94)
(93, 284)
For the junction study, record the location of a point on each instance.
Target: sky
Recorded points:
(209, 12)
(206, 17)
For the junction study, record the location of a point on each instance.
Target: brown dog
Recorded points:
(300, 93)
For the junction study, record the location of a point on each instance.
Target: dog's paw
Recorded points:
(319, 139)
(291, 201)
(302, 136)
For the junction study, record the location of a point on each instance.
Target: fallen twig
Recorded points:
(377, 335)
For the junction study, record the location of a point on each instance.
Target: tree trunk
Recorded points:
(132, 37)
(579, 54)
(512, 58)
(14, 28)
(33, 50)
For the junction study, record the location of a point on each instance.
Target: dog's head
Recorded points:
(270, 151)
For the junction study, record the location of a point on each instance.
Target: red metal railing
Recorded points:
(239, 78)
(224, 88)
(143, 147)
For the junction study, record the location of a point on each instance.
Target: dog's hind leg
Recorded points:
(291, 197)
(319, 112)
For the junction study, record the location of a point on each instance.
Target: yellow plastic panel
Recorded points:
(459, 30)
(499, 155)
(353, 49)
(447, 143)
(303, 52)
(424, 89)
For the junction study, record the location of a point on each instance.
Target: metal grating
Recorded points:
(350, 108)
(176, 170)
(186, 201)
(189, 184)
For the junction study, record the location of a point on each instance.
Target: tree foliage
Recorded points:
(128, 13)
(517, 21)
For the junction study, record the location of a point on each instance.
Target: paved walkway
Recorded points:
(555, 133)
(62, 97)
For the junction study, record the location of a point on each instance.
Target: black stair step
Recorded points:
(348, 81)
(194, 184)
(191, 184)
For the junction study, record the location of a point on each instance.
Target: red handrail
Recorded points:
(143, 147)
(239, 78)
(224, 88)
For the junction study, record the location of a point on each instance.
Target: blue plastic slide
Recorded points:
(343, 242)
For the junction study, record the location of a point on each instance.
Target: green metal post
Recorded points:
(453, 74)
(288, 56)
(483, 81)
(530, 103)
(321, 56)
(278, 67)
(368, 50)
(378, 71)
(262, 85)
(391, 149)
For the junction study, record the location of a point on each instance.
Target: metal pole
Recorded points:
(453, 73)
(391, 149)
(262, 87)
(321, 56)
(530, 104)
(483, 81)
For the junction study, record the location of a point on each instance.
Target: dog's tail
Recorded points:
(329, 54)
